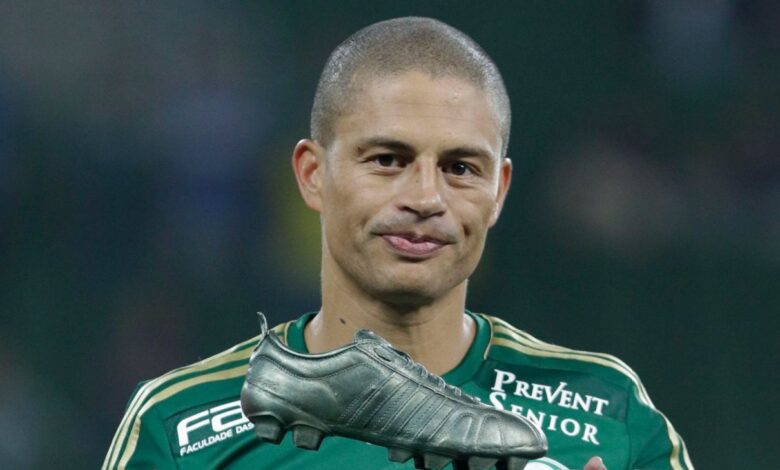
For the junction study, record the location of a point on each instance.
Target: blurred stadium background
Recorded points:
(147, 208)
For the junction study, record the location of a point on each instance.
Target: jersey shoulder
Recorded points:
(176, 386)
(653, 440)
(512, 352)
(213, 379)
(512, 345)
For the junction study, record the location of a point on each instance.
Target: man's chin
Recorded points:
(409, 295)
(411, 286)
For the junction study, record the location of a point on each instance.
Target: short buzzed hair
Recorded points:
(397, 46)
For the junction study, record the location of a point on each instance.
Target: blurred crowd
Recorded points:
(147, 208)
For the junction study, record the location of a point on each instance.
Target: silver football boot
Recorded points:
(372, 392)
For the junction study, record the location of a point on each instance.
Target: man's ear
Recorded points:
(504, 181)
(307, 162)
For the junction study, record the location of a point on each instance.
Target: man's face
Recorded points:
(410, 184)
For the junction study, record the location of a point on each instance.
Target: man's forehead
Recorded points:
(415, 82)
(402, 103)
(413, 90)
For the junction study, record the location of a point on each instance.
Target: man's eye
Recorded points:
(388, 160)
(457, 168)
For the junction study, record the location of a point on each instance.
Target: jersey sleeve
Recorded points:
(140, 441)
(655, 445)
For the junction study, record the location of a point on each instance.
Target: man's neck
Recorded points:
(437, 335)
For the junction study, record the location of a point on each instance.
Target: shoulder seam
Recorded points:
(535, 347)
(492, 329)
(525, 337)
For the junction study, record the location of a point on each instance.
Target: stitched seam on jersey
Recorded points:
(148, 389)
(523, 347)
(674, 438)
(611, 361)
(533, 342)
(524, 337)
(573, 354)
(521, 336)
(132, 441)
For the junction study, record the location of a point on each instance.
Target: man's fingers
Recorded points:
(595, 463)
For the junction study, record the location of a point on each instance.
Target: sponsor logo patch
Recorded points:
(202, 429)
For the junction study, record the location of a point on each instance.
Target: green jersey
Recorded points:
(587, 404)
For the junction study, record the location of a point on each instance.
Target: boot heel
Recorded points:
(268, 429)
(307, 437)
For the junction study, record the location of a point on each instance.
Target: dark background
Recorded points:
(148, 209)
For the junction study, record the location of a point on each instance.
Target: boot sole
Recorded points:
(271, 430)
(308, 433)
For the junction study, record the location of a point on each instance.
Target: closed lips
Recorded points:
(419, 245)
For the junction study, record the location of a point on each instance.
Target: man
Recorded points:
(407, 168)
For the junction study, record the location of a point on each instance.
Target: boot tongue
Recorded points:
(367, 335)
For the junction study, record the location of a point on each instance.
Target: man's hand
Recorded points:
(595, 463)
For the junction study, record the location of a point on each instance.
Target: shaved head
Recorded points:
(393, 47)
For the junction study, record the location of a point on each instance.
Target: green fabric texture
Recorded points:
(587, 404)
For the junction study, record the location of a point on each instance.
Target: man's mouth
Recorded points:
(413, 245)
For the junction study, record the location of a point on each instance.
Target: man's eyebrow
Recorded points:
(468, 151)
(400, 146)
(386, 142)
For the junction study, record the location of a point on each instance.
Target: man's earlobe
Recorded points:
(307, 166)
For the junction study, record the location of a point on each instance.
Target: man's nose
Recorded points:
(422, 193)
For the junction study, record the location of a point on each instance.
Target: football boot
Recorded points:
(372, 392)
